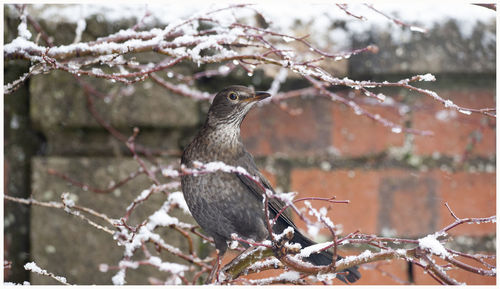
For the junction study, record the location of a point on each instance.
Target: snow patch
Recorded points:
(307, 251)
(284, 233)
(290, 276)
(426, 77)
(431, 243)
(33, 267)
(327, 277)
(167, 266)
(362, 257)
(119, 277)
(266, 263)
(445, 115)
(169, 172)
(178, 199)
(233, 245)
(22, 29)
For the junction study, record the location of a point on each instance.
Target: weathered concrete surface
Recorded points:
(20, 144)
(67, 246)
(59, 101)
(443, 49)
(59, 109)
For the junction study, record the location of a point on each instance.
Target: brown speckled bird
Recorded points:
(226, 203)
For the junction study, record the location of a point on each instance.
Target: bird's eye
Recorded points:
(232, 95)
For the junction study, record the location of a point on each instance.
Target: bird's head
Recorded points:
(231, 105)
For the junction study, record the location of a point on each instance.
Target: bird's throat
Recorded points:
(224, 139)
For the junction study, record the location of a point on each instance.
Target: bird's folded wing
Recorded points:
(275, 205)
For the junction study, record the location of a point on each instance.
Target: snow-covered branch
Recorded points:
(269, 255)
(33, 267)
(213, 39)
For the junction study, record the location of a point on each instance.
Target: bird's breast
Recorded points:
(214, 146)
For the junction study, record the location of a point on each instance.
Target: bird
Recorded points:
(224, 203)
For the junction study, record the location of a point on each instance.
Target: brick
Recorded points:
(469, 195)
(270, 130)
(360, 187)
(394, 272)
(381, 202)
(322, 124)
(356, 135)
(453, 134)
(408, 205)
(411, 203)
(270, 177)
(399, 202)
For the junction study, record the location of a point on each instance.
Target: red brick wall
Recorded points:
(388, 192)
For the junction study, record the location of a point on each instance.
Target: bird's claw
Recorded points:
(214, 274)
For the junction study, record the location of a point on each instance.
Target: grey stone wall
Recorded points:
(65, 245)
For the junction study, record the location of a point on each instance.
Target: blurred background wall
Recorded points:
(397, 184)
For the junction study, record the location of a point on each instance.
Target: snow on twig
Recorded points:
(431, 243)
(33, 267)
(226, 40)
(285, 277)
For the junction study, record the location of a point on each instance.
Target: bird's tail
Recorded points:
(324, 258)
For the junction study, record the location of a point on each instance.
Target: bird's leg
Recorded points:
(215, 269)
(219, 261)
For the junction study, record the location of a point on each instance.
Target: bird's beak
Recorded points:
(259, 95)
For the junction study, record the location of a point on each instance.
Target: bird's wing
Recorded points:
(275, 205)
(284, 221)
